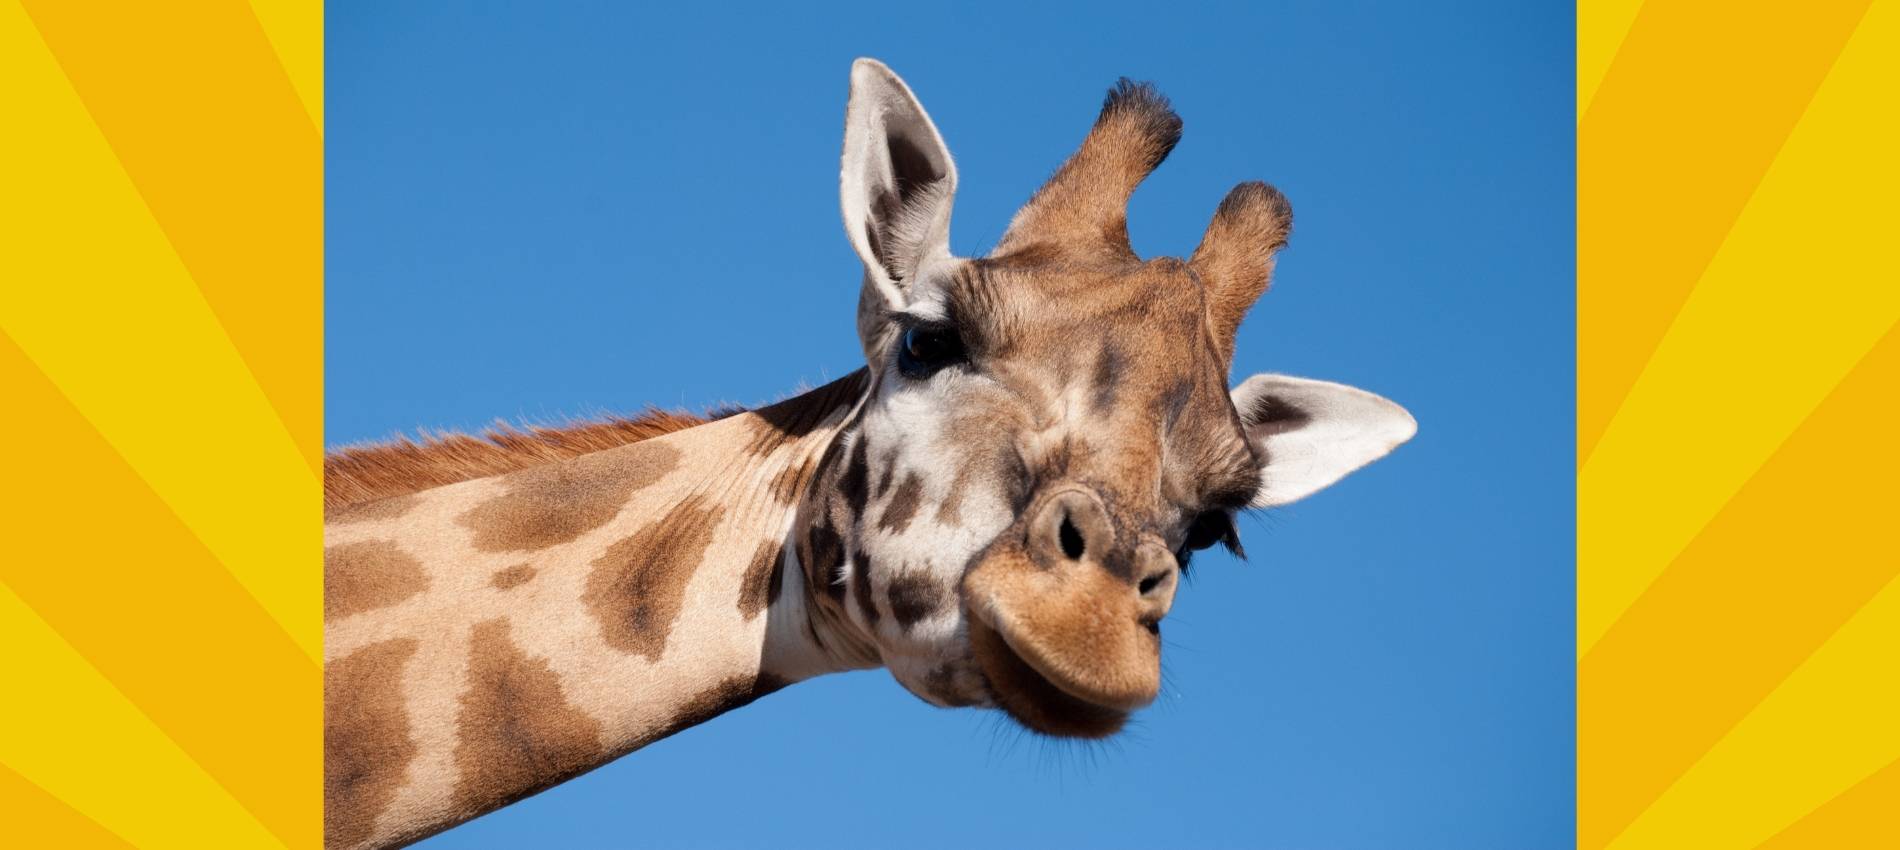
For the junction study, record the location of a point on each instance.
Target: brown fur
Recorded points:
(1032, 699)
(365, 576)
(800, 415)
(789, 484)
(514, 576)
(903, 505)
(913, 598)
(367, 743)
(941, 684)
(759, 588)
(357, 474)
(638, 587)
(517, 734)
(392, 507)
(824, 559)
(1235, 258)
(558, 502)
(861, 588)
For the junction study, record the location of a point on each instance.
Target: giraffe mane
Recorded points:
(404, 465)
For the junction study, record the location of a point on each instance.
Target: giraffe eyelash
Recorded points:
(1218, 523)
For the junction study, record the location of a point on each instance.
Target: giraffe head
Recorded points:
(1048, 433)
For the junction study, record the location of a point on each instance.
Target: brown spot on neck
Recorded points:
(789, 484)
(516, 732)
(367, 744)
(360, 577)
(638, 587)
(514, 576)
(559, 502)
(763, 576)
(824, 561)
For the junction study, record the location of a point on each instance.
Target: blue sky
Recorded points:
(537, 210)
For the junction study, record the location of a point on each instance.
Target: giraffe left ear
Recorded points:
(896, 182)
(1310, 434)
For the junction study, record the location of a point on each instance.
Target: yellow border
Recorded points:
(161, 260)
(162, 352)
(1738, 621)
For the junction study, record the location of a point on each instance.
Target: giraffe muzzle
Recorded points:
(1078, 609)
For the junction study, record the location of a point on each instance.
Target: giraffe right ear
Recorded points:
(896, 182)
(1310, 433)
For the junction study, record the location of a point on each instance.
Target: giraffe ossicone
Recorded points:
(997, 507)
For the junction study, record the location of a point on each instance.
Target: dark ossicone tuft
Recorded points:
(1147, 111)
(1270, 212)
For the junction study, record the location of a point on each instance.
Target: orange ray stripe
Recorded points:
(226, 158)
(1688, 119)
(1866, 815)
(106, 563)
(37, 819)
(1763, 585)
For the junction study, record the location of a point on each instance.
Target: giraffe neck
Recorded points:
(492, 638)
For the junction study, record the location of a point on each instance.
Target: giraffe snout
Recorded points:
(1071, 530)
(1064, 612)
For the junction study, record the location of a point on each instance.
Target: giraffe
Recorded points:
(997, 507)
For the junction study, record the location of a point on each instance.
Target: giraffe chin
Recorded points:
(1062, 641)
(1030, 698)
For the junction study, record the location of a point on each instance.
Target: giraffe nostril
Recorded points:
(1158, 578)
(1072, 544)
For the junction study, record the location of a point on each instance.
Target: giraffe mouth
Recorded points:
(1033, 699)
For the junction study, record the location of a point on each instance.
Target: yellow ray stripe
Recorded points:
(1785, 309)
(1830, 725)
(154, 612)
(1769, 579)
(76, 737)
(295, 28)
(126, 335)
(1687, 119)
(37, 819)
(1861, 816)
(1601, 26)
(212, 133)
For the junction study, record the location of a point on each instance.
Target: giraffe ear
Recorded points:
(896, 182)
(1310, 434)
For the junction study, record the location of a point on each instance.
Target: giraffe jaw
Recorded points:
(1057, 655)
(1032, 699)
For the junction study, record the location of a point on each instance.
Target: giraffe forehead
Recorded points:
(1050, 318)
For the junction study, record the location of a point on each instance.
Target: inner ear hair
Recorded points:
(896, 180)
(1271, 414)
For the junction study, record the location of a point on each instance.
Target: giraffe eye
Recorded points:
(925, 349)
(1209, 528)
